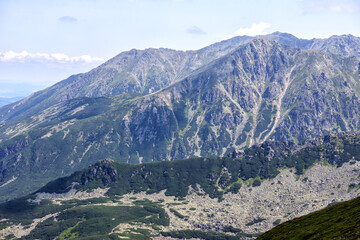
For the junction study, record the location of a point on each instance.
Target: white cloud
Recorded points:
(25, 56)
(254, 30)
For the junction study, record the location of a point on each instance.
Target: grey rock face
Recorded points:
(135, 71)
(344, 45)
(147, 71)
(261, 91)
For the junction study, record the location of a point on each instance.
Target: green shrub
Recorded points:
(276, 222)
(256, 183)
(234, 188)
(176, 213)
(257, 220)
(231, 229)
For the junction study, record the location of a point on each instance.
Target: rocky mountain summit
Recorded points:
(345, 45)
(149, 70)
(133, 71)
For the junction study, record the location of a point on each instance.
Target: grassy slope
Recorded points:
(341, 221)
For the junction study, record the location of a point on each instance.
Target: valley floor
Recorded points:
(258, 209)
(254, 209)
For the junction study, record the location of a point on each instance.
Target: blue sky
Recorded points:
(43, 42)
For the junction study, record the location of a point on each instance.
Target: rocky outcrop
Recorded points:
(102, 170)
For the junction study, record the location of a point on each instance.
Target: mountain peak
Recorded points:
(343, 36)
(262, 46)
(261, 41)
(282, 34)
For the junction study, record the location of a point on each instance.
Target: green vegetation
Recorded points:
(353, 186)
(23, 211)
(78, 221)
(176, 213)
(176, 176)
(257, 220)
(340, 221)
(232, 229)
(256, 183)
(276, 222)
(234, 188)
(68, 234)
(134, 234)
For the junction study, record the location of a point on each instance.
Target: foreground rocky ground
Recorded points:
(254, 209)
(258, 209)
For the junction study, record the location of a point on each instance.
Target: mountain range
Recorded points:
(161, 104)
(149, 70)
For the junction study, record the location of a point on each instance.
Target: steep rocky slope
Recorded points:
(261, 91)
(345, 45)
(272, 182)
(149, 70)
(134, 71)
(7, 100)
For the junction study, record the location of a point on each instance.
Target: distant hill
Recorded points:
(5, 101)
